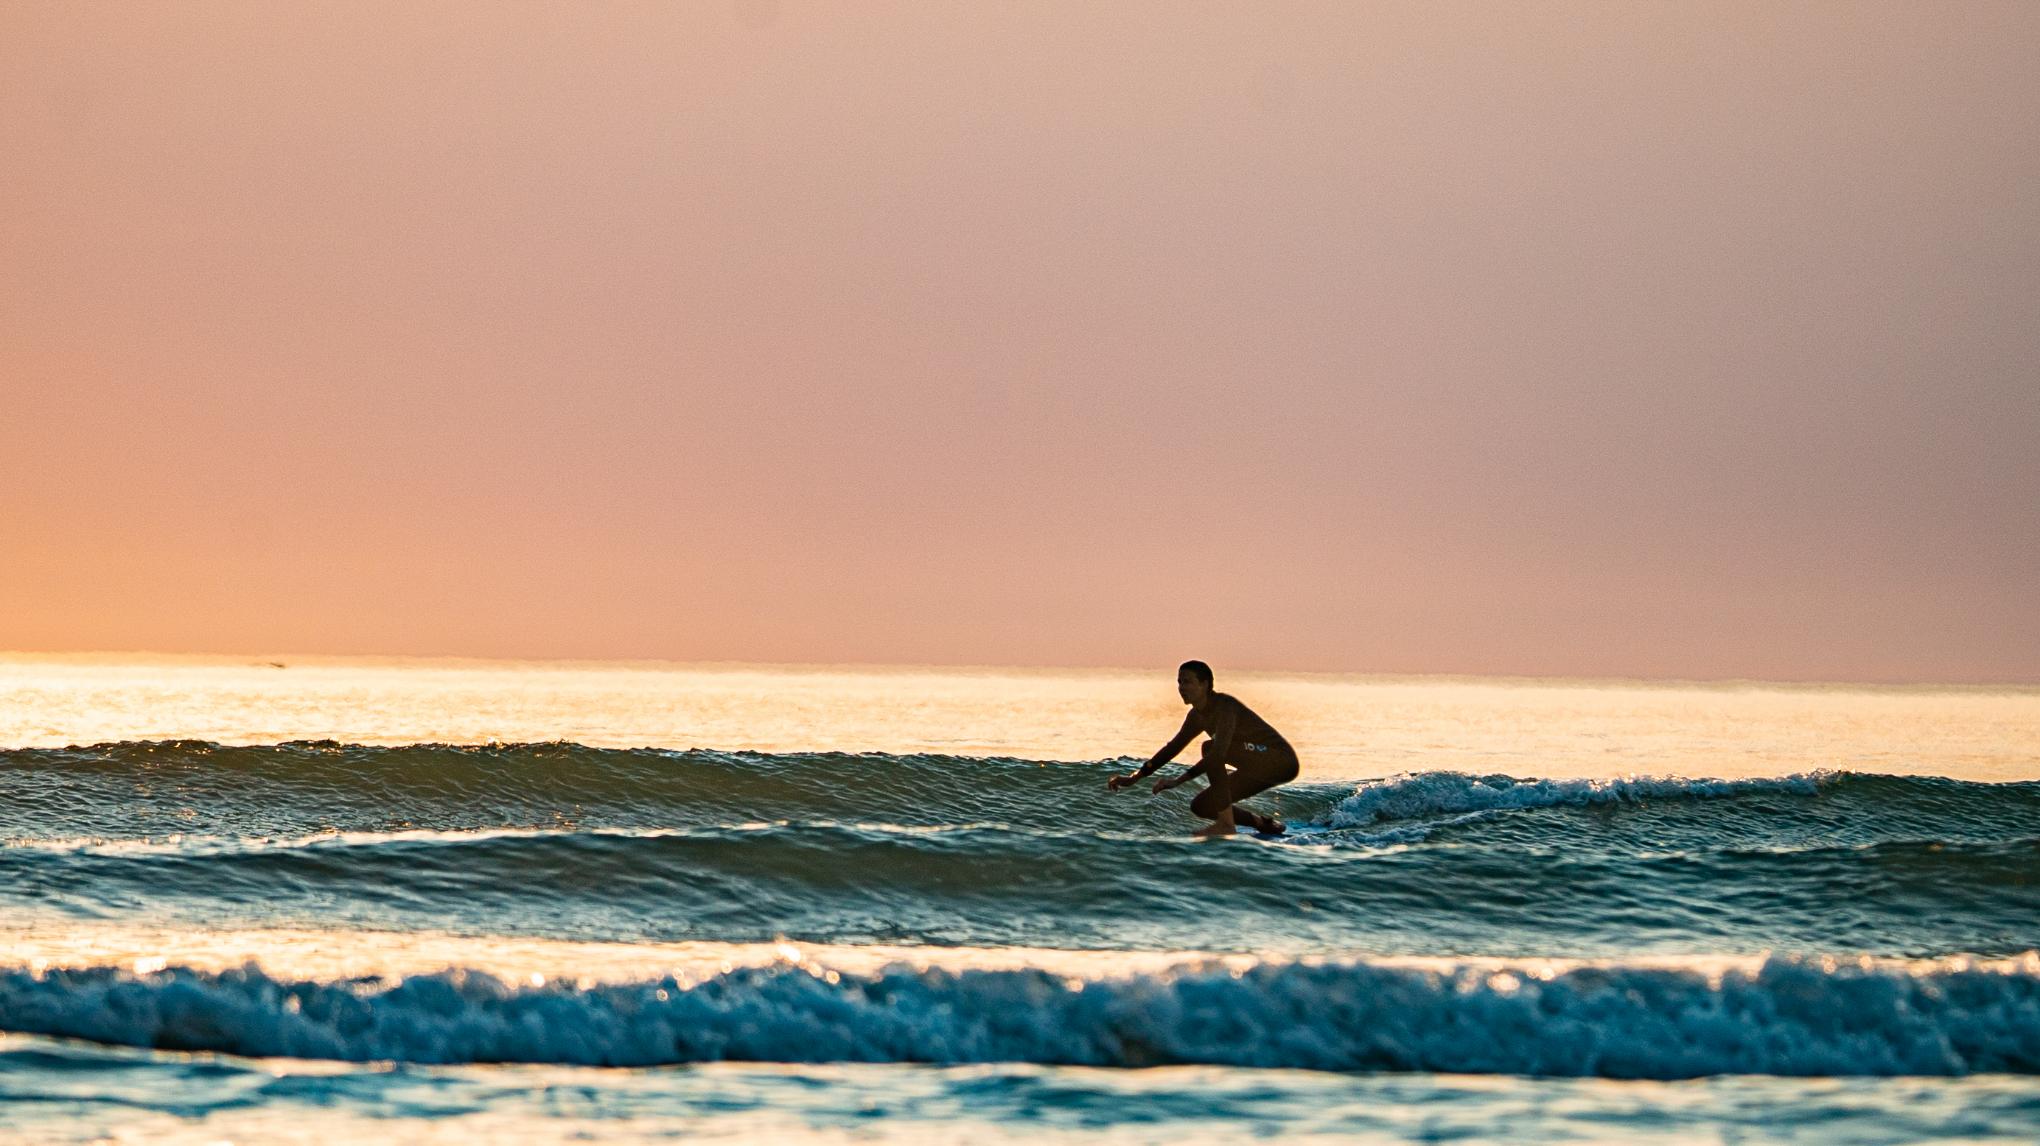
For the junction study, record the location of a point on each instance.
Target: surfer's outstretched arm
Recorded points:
(1167, 753)
(1205, 764)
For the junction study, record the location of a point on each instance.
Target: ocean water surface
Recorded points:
(346, 899)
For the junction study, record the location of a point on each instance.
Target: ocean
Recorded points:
(349, 899)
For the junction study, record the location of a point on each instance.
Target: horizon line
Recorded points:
(282, 660)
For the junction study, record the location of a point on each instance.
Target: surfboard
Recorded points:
(1299, 833)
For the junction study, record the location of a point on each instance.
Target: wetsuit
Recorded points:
(1261, 759)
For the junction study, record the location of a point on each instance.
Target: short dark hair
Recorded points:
(1198, 669)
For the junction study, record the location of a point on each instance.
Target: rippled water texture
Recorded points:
(353, 900)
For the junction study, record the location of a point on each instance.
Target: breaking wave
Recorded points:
(1778, 1016)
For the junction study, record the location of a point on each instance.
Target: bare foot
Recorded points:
(1213, 831)
(1273, 825)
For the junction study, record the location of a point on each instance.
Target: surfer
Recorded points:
(1260, 758)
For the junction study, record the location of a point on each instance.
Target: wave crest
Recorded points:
(1782, 1016)
(1412, 796)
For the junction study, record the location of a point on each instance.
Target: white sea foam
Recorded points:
(1778, 1016)
(1463, 797)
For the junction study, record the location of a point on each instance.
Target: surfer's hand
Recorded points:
(1167, 782)
(1118, 782)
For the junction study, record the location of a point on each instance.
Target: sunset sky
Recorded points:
(1695, 340)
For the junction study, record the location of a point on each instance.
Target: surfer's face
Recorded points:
(1192, 690)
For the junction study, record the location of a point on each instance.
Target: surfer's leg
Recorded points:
(1215, 802)
(1258, 772)
(1208, 805)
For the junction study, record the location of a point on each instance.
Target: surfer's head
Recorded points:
(1193, 681)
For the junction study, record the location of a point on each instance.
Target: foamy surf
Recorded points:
(1781, 1016)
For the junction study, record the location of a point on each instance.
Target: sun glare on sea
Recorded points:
(1342, 726)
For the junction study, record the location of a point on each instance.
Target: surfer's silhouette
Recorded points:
(1259, 757)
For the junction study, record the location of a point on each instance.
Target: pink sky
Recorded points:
(1615, 340)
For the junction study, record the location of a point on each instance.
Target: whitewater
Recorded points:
(342, 900)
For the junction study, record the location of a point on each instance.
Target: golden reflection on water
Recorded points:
(1342, 726)
(54, 942)
(332, 956)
